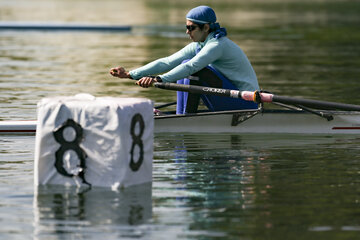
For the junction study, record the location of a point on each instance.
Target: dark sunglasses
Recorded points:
(191, 27)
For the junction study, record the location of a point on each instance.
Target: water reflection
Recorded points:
(216, 180)
(244, 185)
(64, 211)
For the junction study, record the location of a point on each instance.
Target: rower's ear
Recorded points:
(207, 27)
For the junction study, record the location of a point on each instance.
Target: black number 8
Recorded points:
(137, 118)
(70, 145)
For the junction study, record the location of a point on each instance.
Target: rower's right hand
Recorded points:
(119, 72)
(145, 82)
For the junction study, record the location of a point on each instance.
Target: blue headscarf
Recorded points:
(205, 14)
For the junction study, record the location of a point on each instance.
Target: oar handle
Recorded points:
(252, 96)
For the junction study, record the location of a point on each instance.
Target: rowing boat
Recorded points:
(303, 119)
(261, 121)
(236, 122)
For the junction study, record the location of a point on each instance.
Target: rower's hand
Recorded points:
(146, 82)
(119, 72)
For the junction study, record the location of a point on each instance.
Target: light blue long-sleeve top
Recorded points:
(222, 54)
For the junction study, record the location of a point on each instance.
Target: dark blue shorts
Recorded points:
(214, 103)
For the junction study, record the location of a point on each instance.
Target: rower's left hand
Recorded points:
(146, 82)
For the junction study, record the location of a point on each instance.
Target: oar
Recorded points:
(258, 97)
(63, 27)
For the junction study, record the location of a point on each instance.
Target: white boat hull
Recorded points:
(282, 121)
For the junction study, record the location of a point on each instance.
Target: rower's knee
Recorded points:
(208, 77)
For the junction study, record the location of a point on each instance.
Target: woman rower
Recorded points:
(211, 60)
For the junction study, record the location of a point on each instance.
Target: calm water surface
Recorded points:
(204, 186)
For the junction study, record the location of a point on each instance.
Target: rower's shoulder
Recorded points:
(223, 41)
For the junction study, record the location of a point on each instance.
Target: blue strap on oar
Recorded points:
(182, 97)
